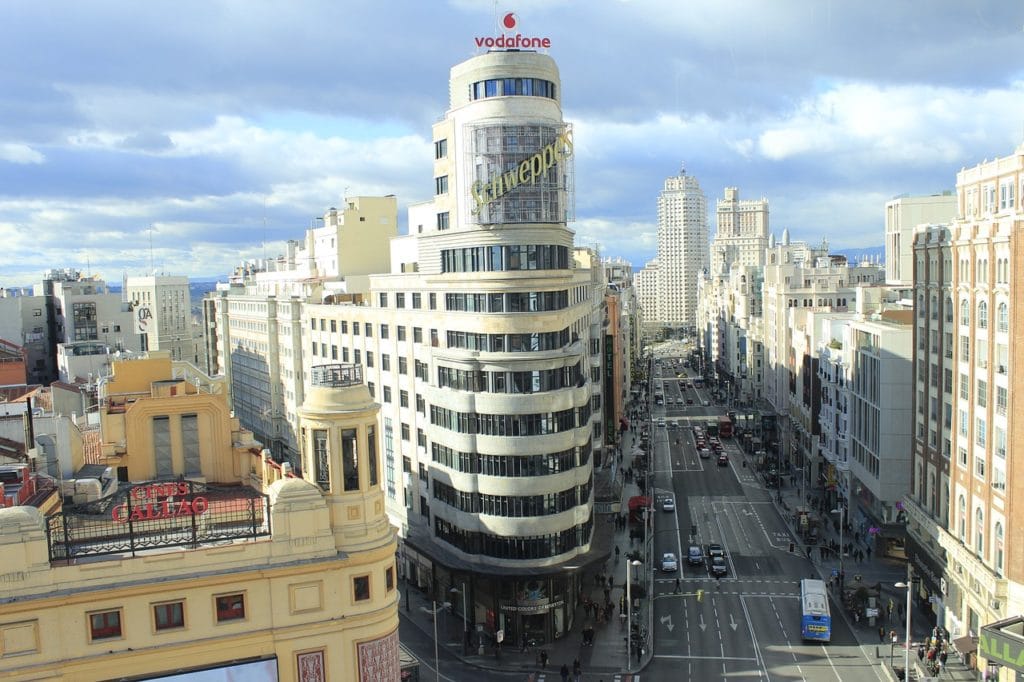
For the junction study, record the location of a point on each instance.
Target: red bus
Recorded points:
(724, 426)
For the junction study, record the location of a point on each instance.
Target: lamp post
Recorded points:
(906, 656)
(842, 549)
(629, 613)
(437, 660)
(465, 620)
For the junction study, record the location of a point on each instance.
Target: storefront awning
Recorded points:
(965, 645)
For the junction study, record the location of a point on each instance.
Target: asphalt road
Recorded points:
(747, 626)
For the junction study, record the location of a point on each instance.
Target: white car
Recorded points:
(669, 563)
(668, 504)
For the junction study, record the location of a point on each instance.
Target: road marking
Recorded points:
(753, 638)
(704, 658)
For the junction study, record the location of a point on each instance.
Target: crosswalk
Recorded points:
(552, 677)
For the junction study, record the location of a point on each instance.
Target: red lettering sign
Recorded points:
(153, 511)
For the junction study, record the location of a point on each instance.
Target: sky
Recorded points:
(187, 137)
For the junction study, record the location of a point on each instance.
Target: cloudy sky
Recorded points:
(188, 136)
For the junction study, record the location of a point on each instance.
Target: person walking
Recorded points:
(678, 586)
(881, 634)
(565, 673)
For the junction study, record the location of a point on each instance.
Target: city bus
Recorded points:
(815, 621)
(724, 426)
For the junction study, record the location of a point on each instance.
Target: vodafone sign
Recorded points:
(512, 40)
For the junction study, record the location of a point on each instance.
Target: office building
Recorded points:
(902, 216)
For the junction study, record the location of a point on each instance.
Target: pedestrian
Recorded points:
(611, 581)
(565, 673)
(543, 659)
(868, 550)
(678, 586)
(616, 552)
(881, 634)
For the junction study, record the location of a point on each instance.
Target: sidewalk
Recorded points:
(602, 660)
(868, 572)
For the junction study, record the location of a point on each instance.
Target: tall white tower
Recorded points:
(682, 248)
(742, 234)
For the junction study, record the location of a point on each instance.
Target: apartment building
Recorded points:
(682, 249)
(645, 281)
(964, 502)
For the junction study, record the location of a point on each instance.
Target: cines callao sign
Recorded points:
(512, 41)
(526, 173)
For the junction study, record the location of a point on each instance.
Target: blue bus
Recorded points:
(815, 621)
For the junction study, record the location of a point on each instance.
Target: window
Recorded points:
(169, 616)
(334, 326)
(321, 459)
(369, 358)
(406, 432)
(441, 184)
(384, 331)
(367, 329)
(357, 356)
(389, 578)
(105, 625)
(961, 518)
(417, 334)
(349, 460)
(387, 394)
(440, 149)
(385, 362)
(383, 297)
(1003, 318)
(403, 397)
(399, 300)
(371, 453)
(442, 220)
(417, 300)
(982, 315)
(433, 301)
(998, 557)
(230, 607)
(965, 387)
(361, 587)
(979, 431)
(965, 313)
(401, 332)
(1001, 398)
(403, 365)
(979, 531)
(982, 396)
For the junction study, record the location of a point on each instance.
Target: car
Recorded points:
(719, 567)
(704, 453)
(669, 563)
(689, 401)
(661, 421)
(705, 403)
(694, 556)
(723, 460)
(715, 549)
(668, 504)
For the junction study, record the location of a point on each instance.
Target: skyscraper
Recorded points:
(682, 249)
(742, 234)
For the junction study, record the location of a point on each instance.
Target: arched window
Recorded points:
(961, 518)
(949, 309)
(982, 315)
(1003, 318)
(998, 552)
(965, 313)
(979, 532)
(933, 505)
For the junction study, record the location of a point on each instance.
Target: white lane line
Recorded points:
(763, 667)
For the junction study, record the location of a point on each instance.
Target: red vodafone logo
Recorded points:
(512, 41)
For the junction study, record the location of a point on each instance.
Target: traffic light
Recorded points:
(700, 595)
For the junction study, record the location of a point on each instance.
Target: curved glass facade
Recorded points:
(511, 87)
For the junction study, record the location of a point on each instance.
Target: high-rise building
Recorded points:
(742, 232)
(645, 281)
(902, 215)
(162, 305)
(682, 249)
(965, 500)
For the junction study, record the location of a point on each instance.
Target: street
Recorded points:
(745, 625)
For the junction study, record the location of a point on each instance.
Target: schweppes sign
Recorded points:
(526, 173)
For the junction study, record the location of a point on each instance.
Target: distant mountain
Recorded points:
(872, 253)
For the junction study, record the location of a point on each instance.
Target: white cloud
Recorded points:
(20, 153)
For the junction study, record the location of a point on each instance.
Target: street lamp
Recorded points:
(437, 667)
(906, 656)
(842, 548)
(629, 612)
(465, 620)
